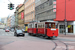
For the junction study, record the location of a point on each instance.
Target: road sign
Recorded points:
(54, 10)
(54, 6)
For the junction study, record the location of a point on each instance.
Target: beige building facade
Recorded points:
(29, 11)
(20, 21)
(8, 21)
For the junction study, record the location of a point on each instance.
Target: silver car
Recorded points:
(19, 33)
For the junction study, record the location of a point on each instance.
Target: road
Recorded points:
(10, 42)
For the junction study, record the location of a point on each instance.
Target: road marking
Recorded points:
(6, 34)
(2, 34)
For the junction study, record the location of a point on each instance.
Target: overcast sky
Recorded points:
(4, 11)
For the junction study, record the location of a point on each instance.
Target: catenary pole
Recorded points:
(65, 18)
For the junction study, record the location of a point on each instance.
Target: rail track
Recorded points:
(56, 45)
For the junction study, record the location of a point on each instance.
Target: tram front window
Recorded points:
(49, 25)
(52, 25)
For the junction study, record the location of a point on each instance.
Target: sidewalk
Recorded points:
(67, 35)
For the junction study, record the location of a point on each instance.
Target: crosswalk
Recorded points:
(6, 34)
(3, 33)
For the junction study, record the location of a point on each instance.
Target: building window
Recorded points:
(70, 28)
(62, 28)
(50, 2)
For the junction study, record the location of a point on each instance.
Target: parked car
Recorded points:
(6, 30)
(23, 30)
(19, 33)
(12, 30)
(3, 28)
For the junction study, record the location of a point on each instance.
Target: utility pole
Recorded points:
(65, 18)
(24, 11)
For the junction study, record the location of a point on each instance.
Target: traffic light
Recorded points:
(11, 6)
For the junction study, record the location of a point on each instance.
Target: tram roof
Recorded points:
(45, 22)
(49, 21)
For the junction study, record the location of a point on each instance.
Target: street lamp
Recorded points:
(24, 11)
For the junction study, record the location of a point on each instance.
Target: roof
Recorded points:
(20, 5)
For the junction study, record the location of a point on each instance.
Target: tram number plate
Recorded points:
(53, 29)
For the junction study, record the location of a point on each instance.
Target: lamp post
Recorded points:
(24, 12)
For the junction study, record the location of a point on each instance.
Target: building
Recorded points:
(44, 10)
(12, 21)
(29, 11)
(8, 21)
(65, 14)
(16, 17)
(2, 26)
(21, 16)
(4, 20)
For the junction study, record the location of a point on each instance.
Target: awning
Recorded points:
(26, 22)
(63, 20)
(58, 19)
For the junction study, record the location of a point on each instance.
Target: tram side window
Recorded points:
(30, 26)
(56, 26)
(40, 26)
(35, 25)
(46, 25)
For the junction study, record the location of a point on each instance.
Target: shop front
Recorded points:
(69, 29)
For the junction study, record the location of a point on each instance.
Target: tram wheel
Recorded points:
(51, 37)
(47, 37)
(29, 33)
(37, 35)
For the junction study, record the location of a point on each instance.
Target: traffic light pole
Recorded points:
(9, 1)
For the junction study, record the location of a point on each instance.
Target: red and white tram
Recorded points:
(45, 29)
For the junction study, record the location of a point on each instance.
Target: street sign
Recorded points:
(54, 10)
(54, 6)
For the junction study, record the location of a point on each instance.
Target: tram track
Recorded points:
(56, 44)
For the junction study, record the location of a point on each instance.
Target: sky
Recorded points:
(4, 11)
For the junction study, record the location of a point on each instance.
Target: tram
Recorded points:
(45, 29)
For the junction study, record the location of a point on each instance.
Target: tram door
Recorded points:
(36, 28)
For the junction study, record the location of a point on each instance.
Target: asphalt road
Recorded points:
(10, 42)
